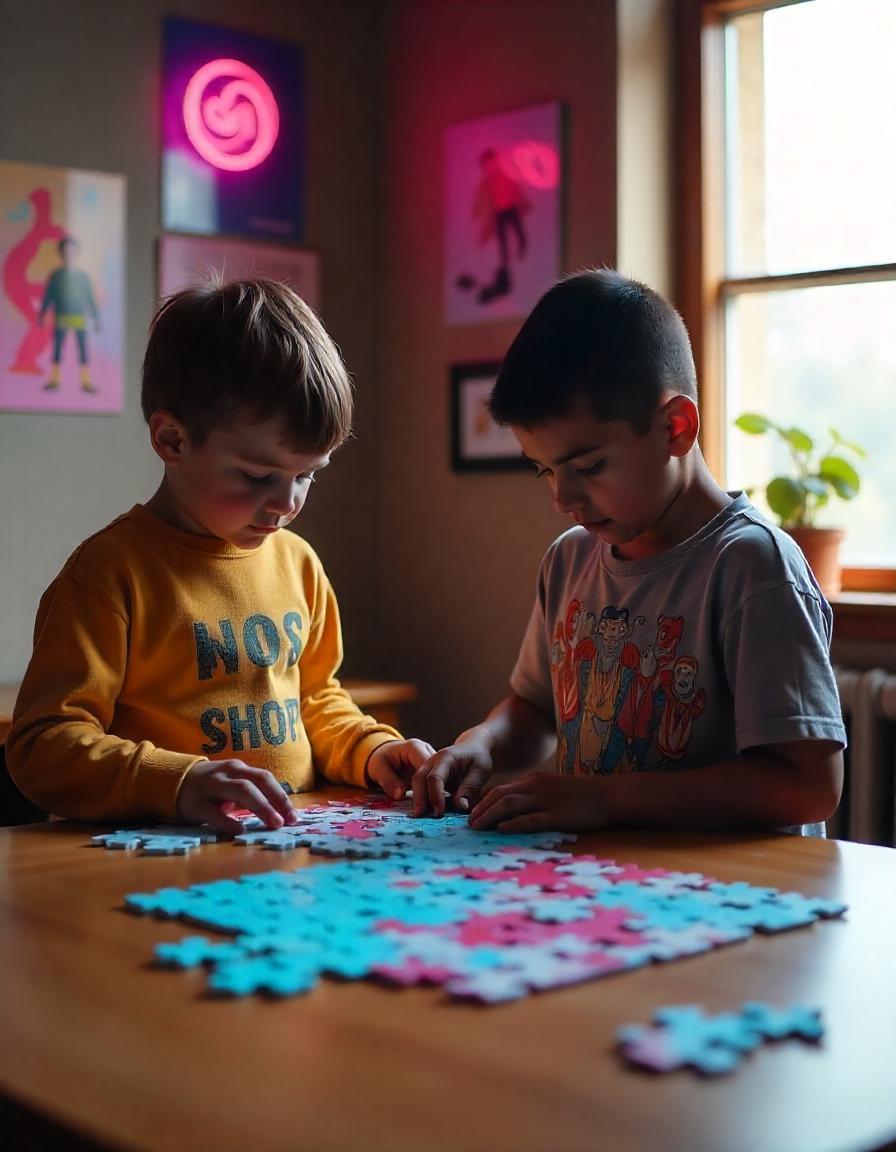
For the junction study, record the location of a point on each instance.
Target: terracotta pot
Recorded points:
(821, 547)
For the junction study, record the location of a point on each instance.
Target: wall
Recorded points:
(79, 86)
(461, 552)
(435, 570)
(644, 170)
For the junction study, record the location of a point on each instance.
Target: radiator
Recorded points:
(867, 812)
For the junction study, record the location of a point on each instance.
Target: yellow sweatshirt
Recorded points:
(155, 648)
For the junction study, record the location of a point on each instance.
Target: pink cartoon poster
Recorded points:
(502, 190)
(62, 250)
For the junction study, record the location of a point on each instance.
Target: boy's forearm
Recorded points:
(756, 791)
(518, 735)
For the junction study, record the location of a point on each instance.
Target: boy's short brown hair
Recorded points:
(247, 349)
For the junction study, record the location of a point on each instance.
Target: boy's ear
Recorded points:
(682, 421)
(168, 437)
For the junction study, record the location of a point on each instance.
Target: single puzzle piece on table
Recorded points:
(165, 839)
(684, 1036)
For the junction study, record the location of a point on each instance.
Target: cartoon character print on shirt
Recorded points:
(619, 703)
(640, 704)
(669, 630)
(568, 659)
(612, 655)
(682, 704)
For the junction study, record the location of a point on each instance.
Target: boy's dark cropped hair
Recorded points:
(599, 336)
(250, 349)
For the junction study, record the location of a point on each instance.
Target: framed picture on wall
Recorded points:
(503, 186)
(233, 133)
(185, 261)
(62, 256)
(478, 444)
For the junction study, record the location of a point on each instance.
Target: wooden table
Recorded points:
(105, 1046)
(382, 698)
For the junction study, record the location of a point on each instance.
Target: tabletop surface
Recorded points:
(97, 1039)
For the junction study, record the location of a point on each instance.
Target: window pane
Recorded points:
(816, 358)
(811, 136)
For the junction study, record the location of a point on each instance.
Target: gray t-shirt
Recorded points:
(683, 659)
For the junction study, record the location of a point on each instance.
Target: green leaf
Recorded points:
(820, 501)
(850, 444)
(753, 423)
(797, 439)
(784, 497)
(841, 476)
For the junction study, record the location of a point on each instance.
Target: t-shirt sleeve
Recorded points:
(531, 676)
(777, 662)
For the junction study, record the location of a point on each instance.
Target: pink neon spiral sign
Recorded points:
(233, 125)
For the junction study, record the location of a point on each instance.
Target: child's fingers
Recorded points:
(470, 788)
(389, 780)
(428, 784)
(415, 753)
(500, 804)
(245, 793)
(209, 812)
(530, 822)
(272, 793)
(442, 766)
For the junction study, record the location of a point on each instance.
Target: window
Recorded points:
(790, 287)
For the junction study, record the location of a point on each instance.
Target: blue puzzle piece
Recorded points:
(777, 1024)
(685, 1036)
(163, 840)
(279, 975)
(193, 951)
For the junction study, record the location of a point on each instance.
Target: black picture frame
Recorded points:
(486, 448)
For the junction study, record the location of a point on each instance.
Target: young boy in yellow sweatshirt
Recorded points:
(185, 657)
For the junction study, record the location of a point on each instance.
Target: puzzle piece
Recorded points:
(685, 1036)
(163, 840)
(166, 839)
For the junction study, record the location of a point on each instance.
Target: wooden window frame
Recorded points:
(699, 235)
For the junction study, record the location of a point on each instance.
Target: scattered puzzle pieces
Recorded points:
(487, 916)
(685, 1036)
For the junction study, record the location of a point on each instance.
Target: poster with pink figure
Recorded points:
(502, 195)
(62, 253)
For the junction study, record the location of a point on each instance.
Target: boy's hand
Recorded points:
(541, 802)
(213, 786)
(461, 769)
(393, 765)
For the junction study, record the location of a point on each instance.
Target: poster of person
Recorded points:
(502, 196)
(62, 254)
(185, 261)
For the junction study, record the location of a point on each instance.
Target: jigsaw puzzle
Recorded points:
(486, 915)
(684, 1036)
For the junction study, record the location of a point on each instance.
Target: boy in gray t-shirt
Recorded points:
(676, 661)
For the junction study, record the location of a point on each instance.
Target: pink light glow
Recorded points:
(235, 127)
(538, 164)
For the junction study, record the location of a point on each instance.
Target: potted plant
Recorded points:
(797, 498)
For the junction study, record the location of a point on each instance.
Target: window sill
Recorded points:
(864, 615)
